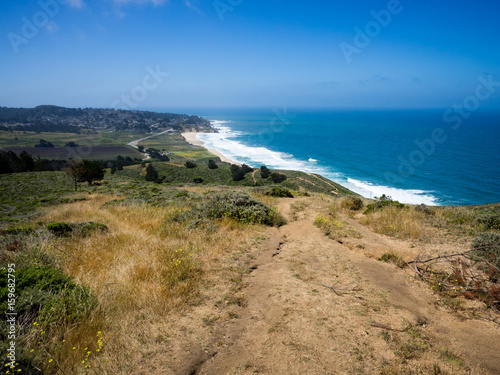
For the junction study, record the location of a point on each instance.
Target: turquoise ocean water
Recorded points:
(424, 156)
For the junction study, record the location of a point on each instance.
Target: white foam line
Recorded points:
(224, 142)
(410, 196)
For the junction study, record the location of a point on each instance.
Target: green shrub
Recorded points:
(86, 228)
(392, 258)
(382, 203)
(18, 230)
(238, 172)
(278, 178)
(190, 164)
(36, 287)
(152, 174)
(181, 194)
(353, 203)
(45, 298)
(279, 192)
(212, 164)
(83, 229)
(265, 172)
(234, 205)
(32, 255)
(424, 209)
(486, 246)
(59, 228)
(460, 216)
(490, 221)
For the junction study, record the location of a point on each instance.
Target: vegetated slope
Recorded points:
(300, 182)
(188, 286)
(21, 194)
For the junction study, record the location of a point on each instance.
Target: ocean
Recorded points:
(414, 156)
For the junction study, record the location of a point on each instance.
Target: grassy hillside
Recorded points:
(127, 255)
(21, 194)
(153, 259)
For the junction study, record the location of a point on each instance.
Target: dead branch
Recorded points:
(489, 316)
(438, 257)
(391, 329)
(457, 274)
(335, 290)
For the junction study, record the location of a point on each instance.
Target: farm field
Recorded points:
(178, 147)
(100, 138)
(91, 153)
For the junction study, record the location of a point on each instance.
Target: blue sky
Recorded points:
(242, 53)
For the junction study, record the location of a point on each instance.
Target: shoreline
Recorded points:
(190, 138)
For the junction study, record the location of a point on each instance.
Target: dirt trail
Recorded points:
(294, 325)
(253, 176)
(335, 189)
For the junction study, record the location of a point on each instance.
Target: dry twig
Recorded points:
(335, 290)
(457, 274)
(391, 329)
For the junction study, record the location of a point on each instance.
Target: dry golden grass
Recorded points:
(403, 223)
(143, 268)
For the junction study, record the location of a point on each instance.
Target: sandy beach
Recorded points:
(190, 137)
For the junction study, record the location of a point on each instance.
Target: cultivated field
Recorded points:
(86, 139)
(178, 147)
(90, 153)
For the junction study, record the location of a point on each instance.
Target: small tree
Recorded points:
(246, 169)
(278, 177)
(44, 143)
(265, 172)
(237, 172)
(75, 170)
(39, 164)
(27, 162)
(92, 171)
(190, 164)
(152, 174)
(212, 164)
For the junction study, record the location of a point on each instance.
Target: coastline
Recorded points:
(190, 138)
(281, 160)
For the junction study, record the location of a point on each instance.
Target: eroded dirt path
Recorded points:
(293, 324)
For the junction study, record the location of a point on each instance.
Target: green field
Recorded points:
(100, 145)
(180, 149)
(99, 139)
(90, 153)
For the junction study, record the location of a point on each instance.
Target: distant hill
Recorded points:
(50, 118)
